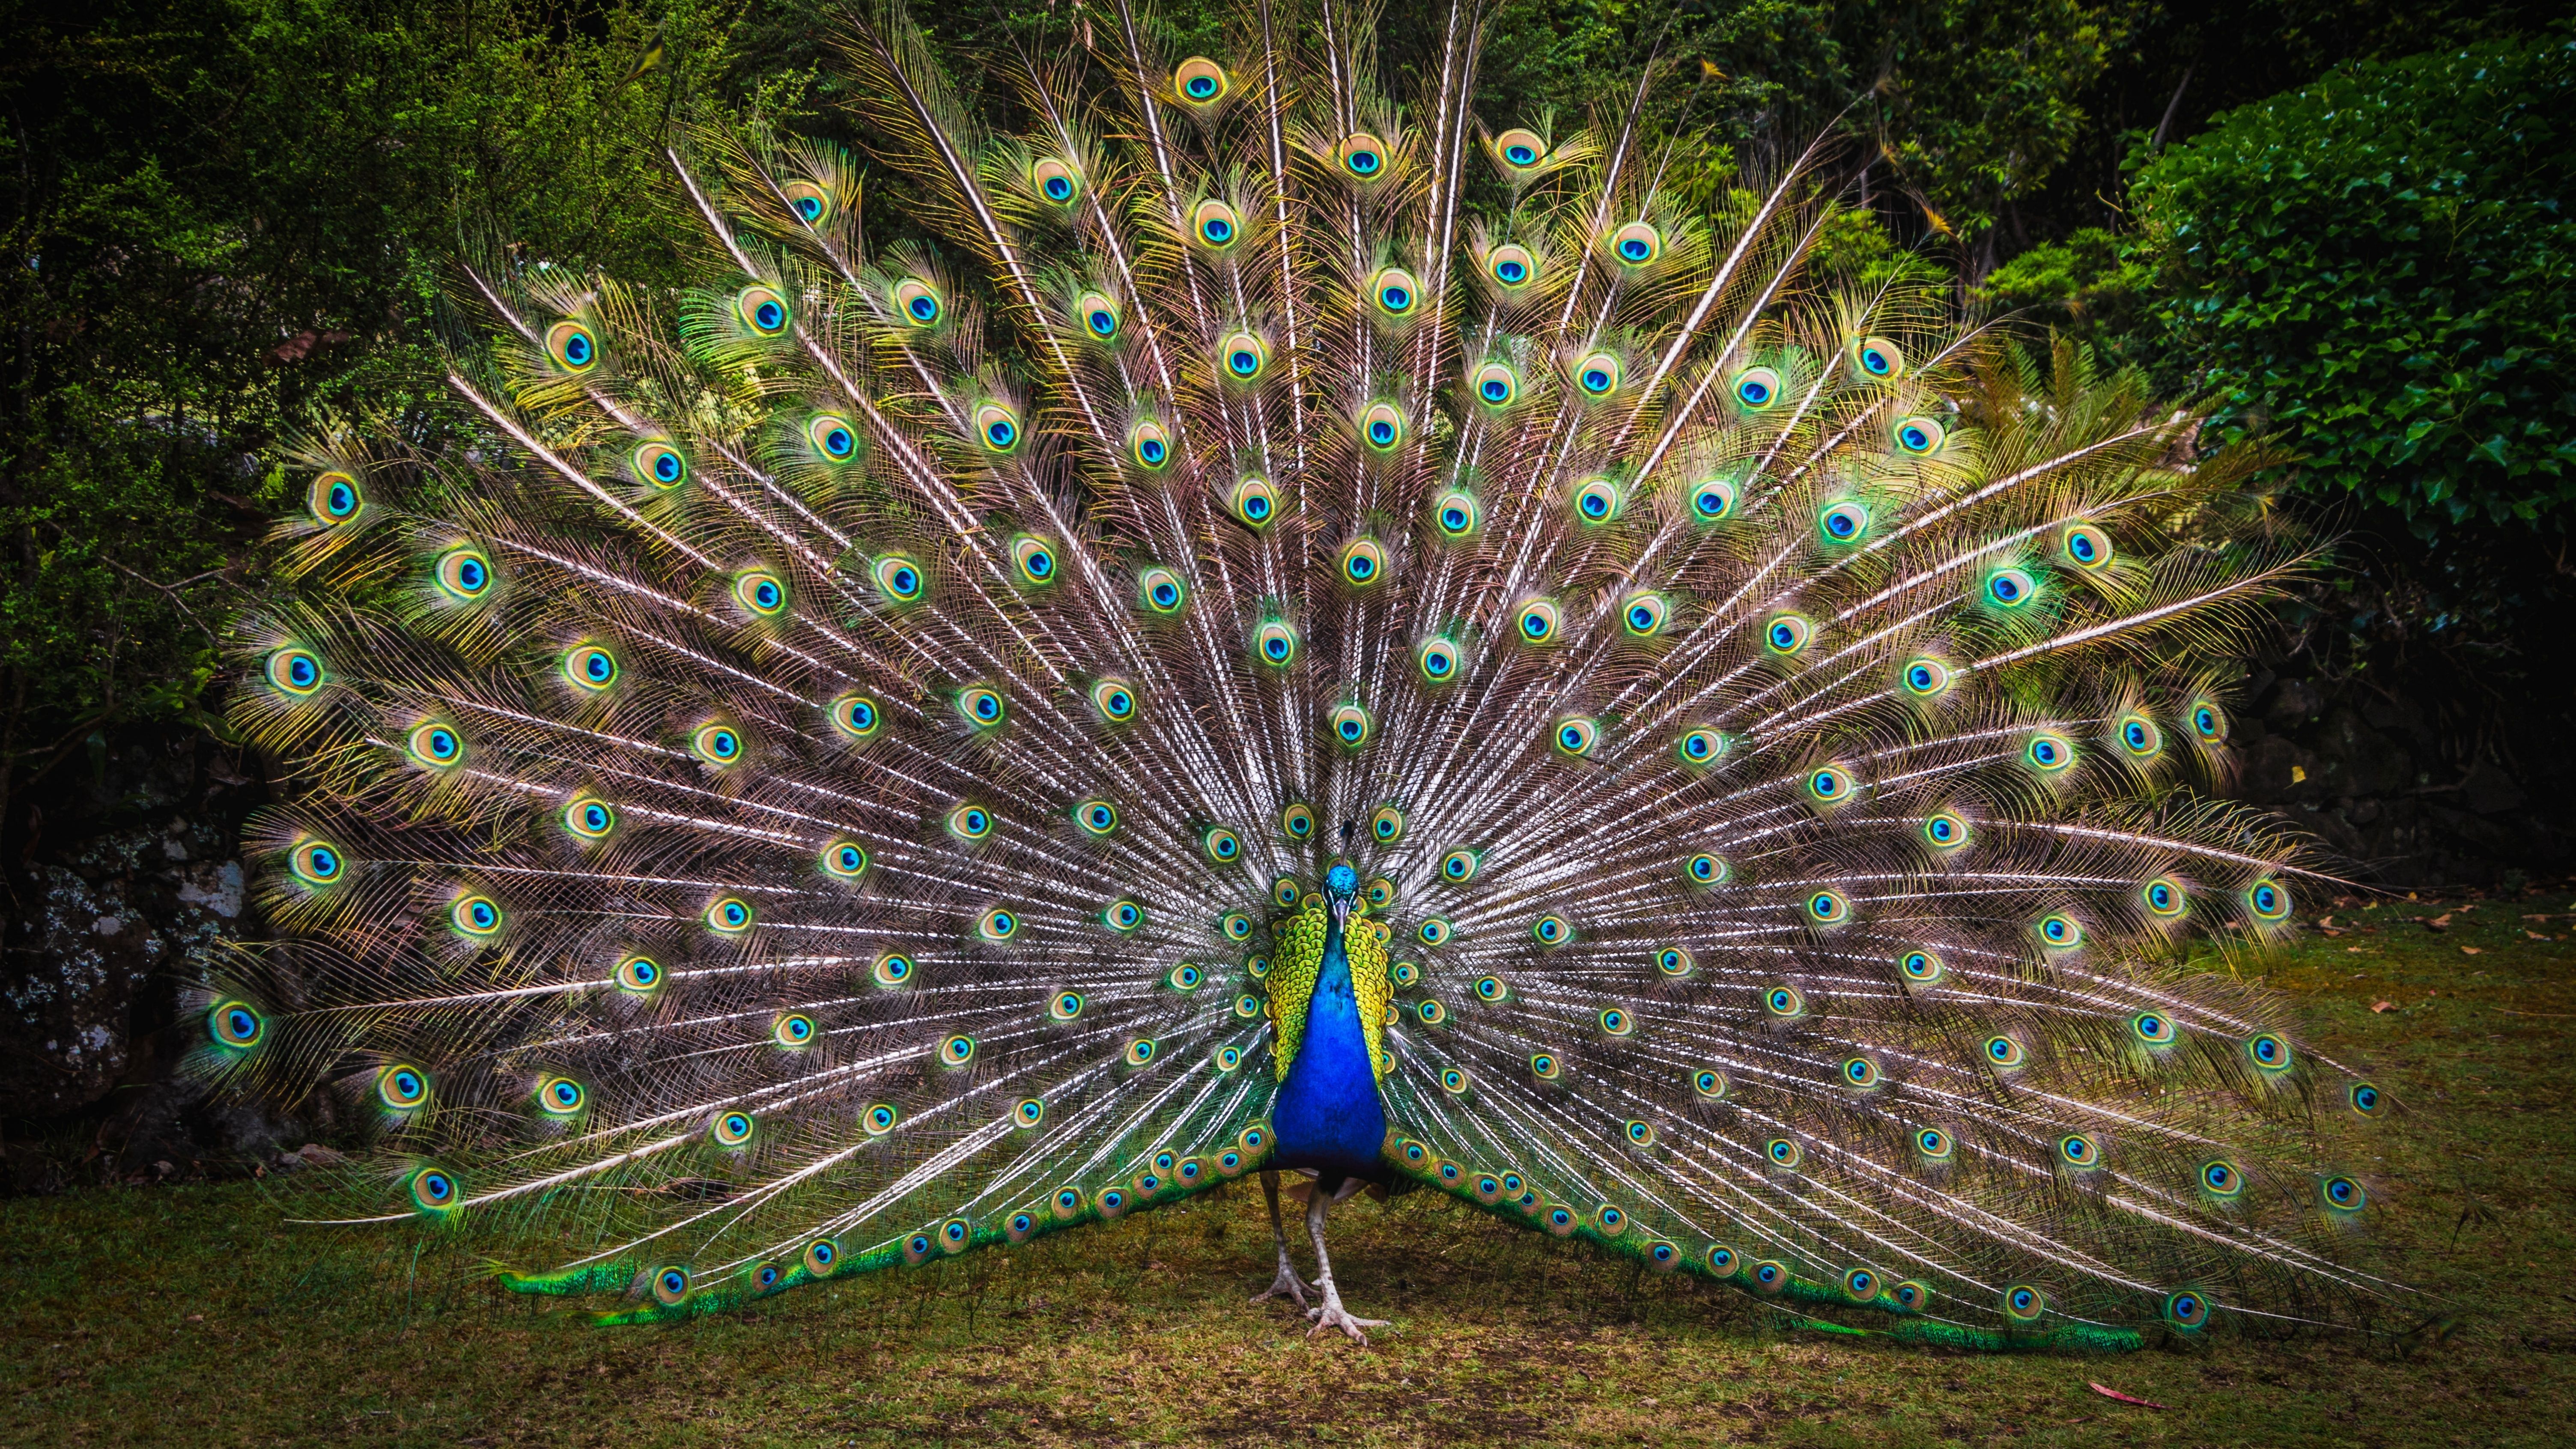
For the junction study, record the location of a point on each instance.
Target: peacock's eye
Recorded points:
(1757, 388)
(1495, 385)
(1519, 149)
(1245, 356)
(855, 715)
(2010, 589)
(1350, 724)
(435, 745)
(898, 578)
(571, 347)
(1643, 615)
(1456, 513)
(762, 310)
(1150, 446)
(1597, 375)
(1034, 558)
(1363, 562)
(1099, 315)
(1846, 522)
(1537, 621)
(1255, 501)
(1395, 291)
(1055, 180)
(1596, 500)
(832, 436)
(845, 860)
(1200, 80)
(2086, 546)
(810, 200)
(334, 499)
(917, 303)
(1877, 358)
(1275, 643)
(1382, 427)
(1162, 590)
(1920, 437)
(1297, 822)
(1363, 156)
(1636, 244)
(1575, 737)
(1786, 635)
(1512, 266)
(1216, 225)
(997, 427)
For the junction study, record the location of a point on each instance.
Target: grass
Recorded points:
(189, 1315)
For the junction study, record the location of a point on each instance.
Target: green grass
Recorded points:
(190, 1315)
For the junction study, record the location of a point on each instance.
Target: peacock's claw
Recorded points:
(1331, 1314)
(1286, 1285)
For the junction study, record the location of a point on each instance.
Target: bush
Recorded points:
(2378, 267)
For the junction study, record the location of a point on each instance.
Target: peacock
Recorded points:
(1281, 632)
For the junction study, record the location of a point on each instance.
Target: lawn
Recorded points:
(189, 1315)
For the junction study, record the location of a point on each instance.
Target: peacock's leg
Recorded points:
(1331, 1314)
(1286, 1284)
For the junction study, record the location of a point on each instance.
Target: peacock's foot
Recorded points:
(1331, 1314)
(1285, 1285)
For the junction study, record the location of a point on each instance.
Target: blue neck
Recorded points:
(1327, 1114)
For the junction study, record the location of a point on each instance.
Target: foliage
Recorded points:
(2379, 265)
(2088, 287)
(127, 1304)
(223, 214)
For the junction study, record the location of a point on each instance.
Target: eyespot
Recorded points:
(1405, 974)
(402, 1088)
(1495, 385)
(1920, 967)
(1701, 746)
(1512, 266)
(1861, 1285)
(1097, 313)
(832, 437)
(1362, 156)
(571, 347)
(1830, 785)
(794, 1031)
(845, 860)
(1123, 916)
(334, 498)
(1395, 292)
(1787, 634)
(2270, 1052)
(590, 667)
(317, 863)
(435, 1190)
(1574, 736)
(1845, 522)
(638, 975)
(2010, 589)
(1150, 446)
(970, 822)
(1724, 1261)
(762, 310)
(1216, 225)
(1636, 244)
(1520, 150)
(1597, 374)
(2024, 1304)
(1034, 557)
(855, 715)
(1185, 977)
(761, 592)
(898, 578)
(1877, 358)
(1945, 831)
(1139, 1052)
(435, 745)
(1386, 827)
(1297, 822)
(2153, 1027)
(1784, 1153)
(1200, 81)
(1161, 590)
(2004, 1052)
(1926, 678)
(1674, 962)
(658, 466)
(1919, 436)
(810, 200)
(1382, 427)
(1934, 1144)
(2268, 900)
(1827, 907)
(2085, 546)
(1536, 622)
(1235, 926)
(2049, 753)
(957, 1051)
(1433, 932)
(1244, 356)
(998, 924)
(1255, 502)
(1114, 699)
(294, 670)
(982, 707)
(2164, 898)
(2059, 931)
(1546, 1067)
(2208, 722)
(476, 916)
(731, 1129)
(1757, 389)
(1596, 500)
(1220, 845)
(561, 1097)
(235, 1024)
(1784, 1002)
(2139, 736)
(1861, 1073)
(1055, 180)
(2077, 1150)
(2186, 1309)
(880, 1119)
(2342, 1195)
(1363, 562)
(1713, 500)
(1437, 659)
(766, 1276)
(463, 573)
(729, 916)
(1275, 643)
(997, 427)
(917, 303)
(2367, 1099)
(1551, 930)
(1456, 513)
(1706, 869)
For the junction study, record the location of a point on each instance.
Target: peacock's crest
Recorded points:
(843, 769)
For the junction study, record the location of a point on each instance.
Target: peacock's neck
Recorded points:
(1327, 1115)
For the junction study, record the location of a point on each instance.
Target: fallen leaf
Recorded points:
(2441, 922)
(2325, 923)
(2535, 935)
(2377, 1007)
(2352, 948)
(2333, 933)
(2468, 950)
(2115, 1394)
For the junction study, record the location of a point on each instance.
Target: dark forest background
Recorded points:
(2338, 225)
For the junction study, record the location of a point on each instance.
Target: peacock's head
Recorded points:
(1340, 884)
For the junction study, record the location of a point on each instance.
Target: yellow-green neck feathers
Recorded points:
(1299, 962)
